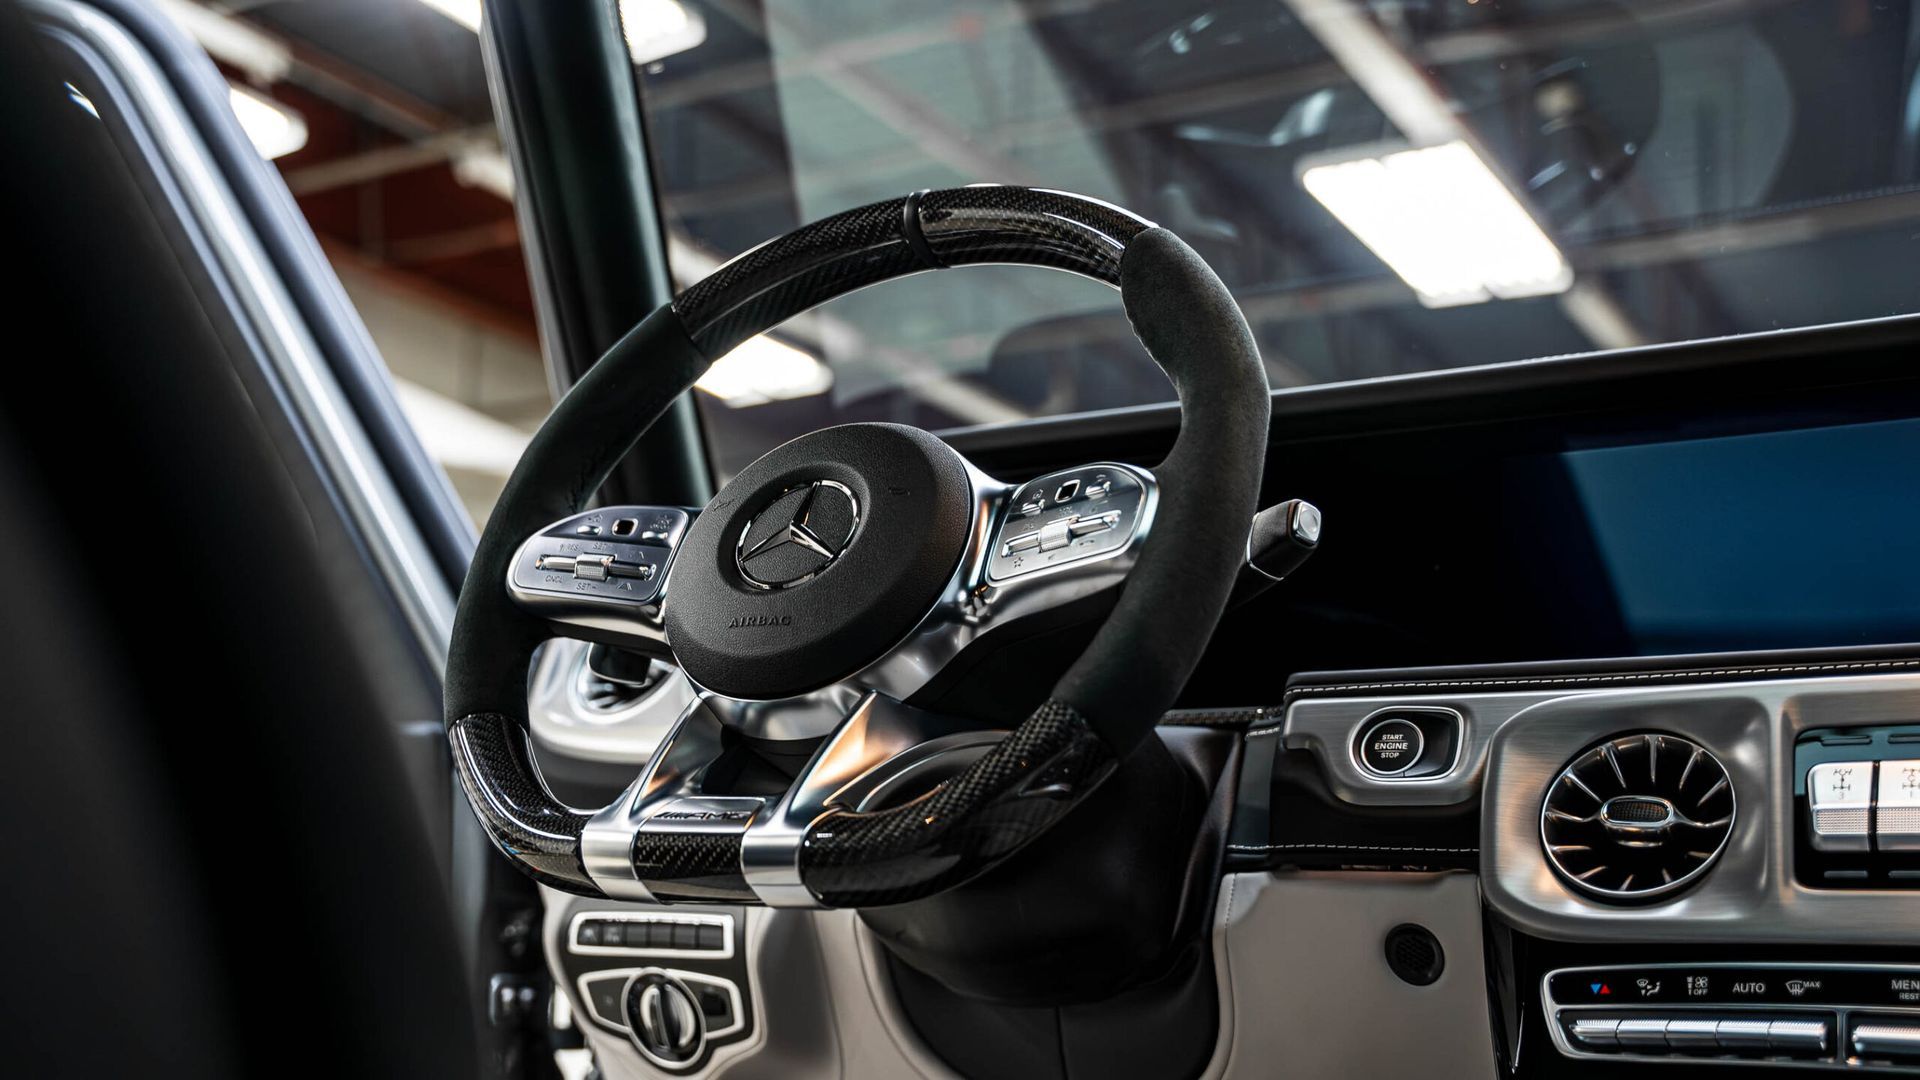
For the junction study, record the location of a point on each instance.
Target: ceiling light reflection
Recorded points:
(1441, 219)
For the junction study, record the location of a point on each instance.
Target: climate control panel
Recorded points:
(1843, 1016)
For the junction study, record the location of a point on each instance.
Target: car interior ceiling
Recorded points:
(1550, 718)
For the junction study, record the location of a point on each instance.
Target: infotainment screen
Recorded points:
(1586, 538)
(1779, 539)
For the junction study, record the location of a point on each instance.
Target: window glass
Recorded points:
(1387, 187)
(378, 117)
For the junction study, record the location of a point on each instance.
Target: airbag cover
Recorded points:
(817, 559)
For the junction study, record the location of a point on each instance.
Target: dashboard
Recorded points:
(1633, 662)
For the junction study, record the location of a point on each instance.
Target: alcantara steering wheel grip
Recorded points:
(1099, 710)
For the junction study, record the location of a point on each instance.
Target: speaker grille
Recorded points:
(1414, 954)
(1637, 817)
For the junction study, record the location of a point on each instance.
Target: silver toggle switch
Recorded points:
(1087, 526)
(1839, 794)
(1896, 821)
(1056, 534)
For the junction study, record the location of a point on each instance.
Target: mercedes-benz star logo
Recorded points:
(798, 535)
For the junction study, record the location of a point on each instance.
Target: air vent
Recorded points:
(1637, 817)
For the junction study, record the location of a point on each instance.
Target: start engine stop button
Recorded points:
(1391, 746)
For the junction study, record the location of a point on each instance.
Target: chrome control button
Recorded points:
(1647, 1032)
(1693, 1034)
(1087, 526)
(1896, 818)
(1799, 1036)
(1023, 542)
(1594, 1032)
(1839, 794)
(664, 1019)
(1883, 1039)
(1741, 1034)
(1056, 534)
(1392, 746)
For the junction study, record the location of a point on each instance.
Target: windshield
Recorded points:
(1386, 187)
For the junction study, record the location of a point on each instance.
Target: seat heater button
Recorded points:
(1839, 794)
(1643, 1032)
(1741, 1034)
(1896, 822)
(1799, 1036)
(588, 933)
(1692, 1034)
(1597, 1032)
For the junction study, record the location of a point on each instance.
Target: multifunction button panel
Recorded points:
(646, 934)
(1858, 795)
(1071, 516)
(618, 554)
(1845, 1016)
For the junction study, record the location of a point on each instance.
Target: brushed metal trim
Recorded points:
(1634, 896)
(1751, 897)
(1514, 743)
(1327, 727)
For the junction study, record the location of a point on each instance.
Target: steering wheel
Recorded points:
(866, 555)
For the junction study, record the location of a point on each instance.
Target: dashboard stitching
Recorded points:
(1347, 847)
(1618, 677)
(1223, 719)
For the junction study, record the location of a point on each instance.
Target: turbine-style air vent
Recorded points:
(1637, 817)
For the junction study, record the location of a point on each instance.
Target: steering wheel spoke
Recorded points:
(882, 755)
(1056, 548)
(602, 575)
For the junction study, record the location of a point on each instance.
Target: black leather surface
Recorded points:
(215, 862)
